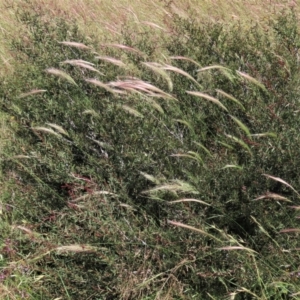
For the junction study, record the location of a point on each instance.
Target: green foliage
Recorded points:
(155, 177)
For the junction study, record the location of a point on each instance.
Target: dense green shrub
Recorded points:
(104, 146)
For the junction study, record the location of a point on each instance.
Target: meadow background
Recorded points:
(149, 150)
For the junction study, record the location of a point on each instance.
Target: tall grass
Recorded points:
(153, 166)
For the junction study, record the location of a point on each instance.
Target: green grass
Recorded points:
(167, 169)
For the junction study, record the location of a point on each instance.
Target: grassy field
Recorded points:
(149, 150)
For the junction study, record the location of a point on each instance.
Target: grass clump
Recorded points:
(135, 175)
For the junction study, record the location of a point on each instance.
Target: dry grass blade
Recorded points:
(241, 125)
(104, 86)
(150, 178)
(112, 60)
(237, 248)
(270, 134)
(185, 58)
(175, 186)
(231, 98)
(132, 111)
(288, 230)
(76, 248)
(124, 47)
(204, 148)
(272, 196)
(26, 230)
(281, 181)
(252, 80)
(207, 97)
(46, 130)
(151, 24)
(181, 72)
(155, 105)
(157, 68)
(82, 64)
(75, 45)
(189, 200)
(61, 74)
(211, 68)
(58, 128)
(242, 143)
(91, 112)
(233, 166)
(142, 87)
(193, 228)
(188, 155)
(33, 92)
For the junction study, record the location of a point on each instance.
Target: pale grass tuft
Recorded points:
(141, 87)
(281, 181)
(150, 178)
(104, 86)
(233, 166)
(75, 45)
(157, 68)
(175, 186)
(76, 248)
(181, 72)
(61, 74)
(241, 125)
(290, 230)
(153, 25)
(46, 130)
(207, 97)
(193, 228)
(185, 58)
(272, 196)
(91, 112)
(132, 111)
(112, 60)
(189, 200)
(58, 128)
(82, 64)
(242, 143)
(124, 47)
(252, 80)
(32, 92)
(237, 248)
(230, 97)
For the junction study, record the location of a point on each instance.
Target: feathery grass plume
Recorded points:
(179, 224)
(241, 125)
(91, 112)
(225, 71)
(242, 143)
(190, 154)
(112, 60)
(58, 128)
(75, 45)
(252, 80)
(237, 248)
(33, 92)
(153, 25)
(181, 72)
(175, 186)
(187, 59)
(270, 134)
(207, 97)
(233, 166)
(76, 248)
(104, 86)
(46, 130)
(273, 196)
(202, 147)
(124, 47)
(189, 200)
(82, 64)
(231, 98)
(150, 178)
(155, 105)
(186, 123)
(157, 68)
(140, 86)
(281, 181)
(61, 74)
(132, 111)
(290, 230)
